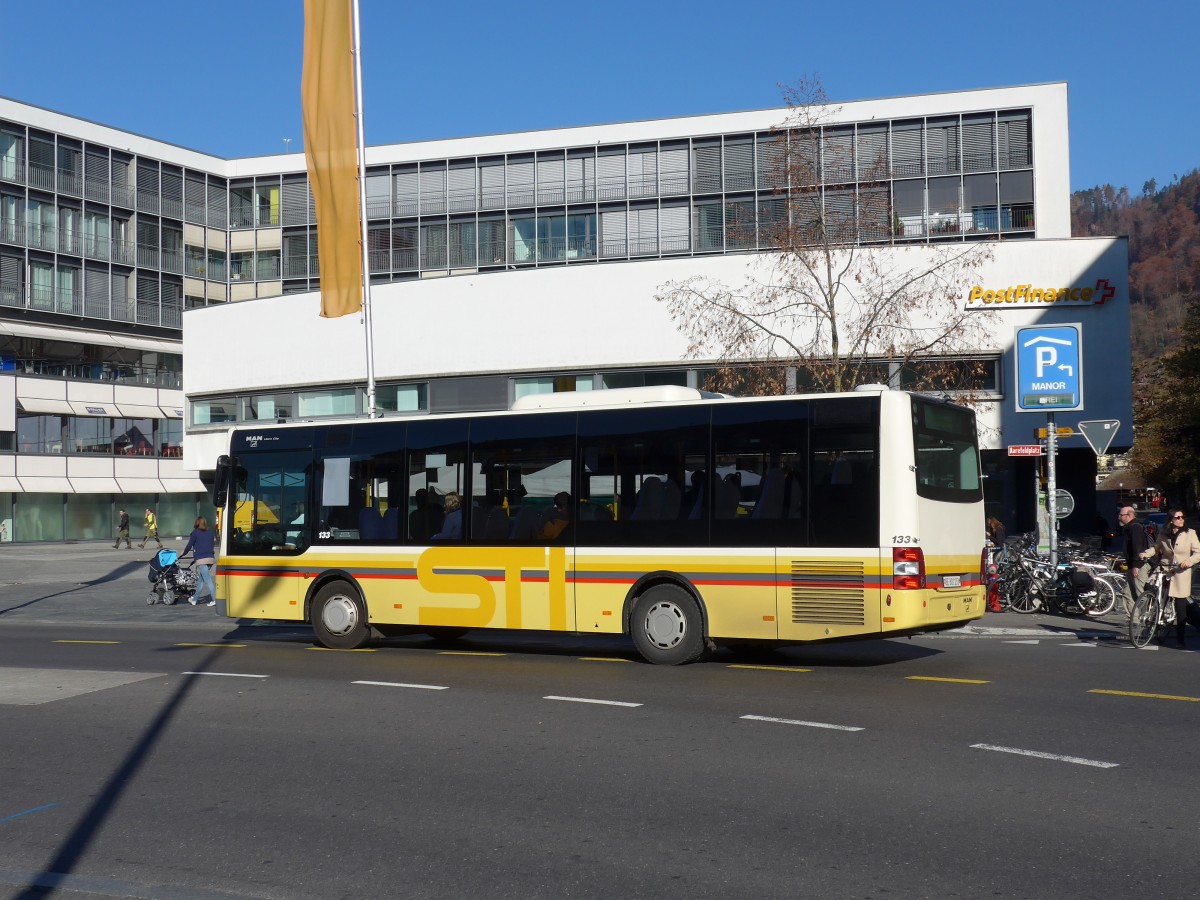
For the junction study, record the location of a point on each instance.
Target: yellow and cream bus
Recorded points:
(679, 518)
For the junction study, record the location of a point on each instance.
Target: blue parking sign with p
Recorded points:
(1049, 368)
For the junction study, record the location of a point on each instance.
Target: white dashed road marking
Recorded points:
(587, 700)
(1038, 754)
(400, 684)
(802, 722)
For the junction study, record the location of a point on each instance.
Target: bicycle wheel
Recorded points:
(1143, 621)
(1106, 598)
(1019, 592)
(1064, 602)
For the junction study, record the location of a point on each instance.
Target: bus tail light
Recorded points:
(908, 568)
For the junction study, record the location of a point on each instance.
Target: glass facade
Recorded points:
(31, 518)
(90, 230)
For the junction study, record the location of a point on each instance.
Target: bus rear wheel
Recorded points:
(339, 617)
(666, 626)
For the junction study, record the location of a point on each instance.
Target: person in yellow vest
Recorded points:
(151, 529)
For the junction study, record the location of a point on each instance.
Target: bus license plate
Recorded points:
(952, 581)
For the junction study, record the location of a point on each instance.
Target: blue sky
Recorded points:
(223, 76)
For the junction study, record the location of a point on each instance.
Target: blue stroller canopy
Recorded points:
(167, 557)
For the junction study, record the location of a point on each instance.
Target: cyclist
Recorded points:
(1179, 545)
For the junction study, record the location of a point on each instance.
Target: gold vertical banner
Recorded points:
(327, 99)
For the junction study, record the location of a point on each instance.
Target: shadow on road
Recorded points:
(75, 844)
(116, 574)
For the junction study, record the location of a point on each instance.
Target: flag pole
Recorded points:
(362, 206)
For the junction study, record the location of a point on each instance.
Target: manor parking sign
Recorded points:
(1049, 368)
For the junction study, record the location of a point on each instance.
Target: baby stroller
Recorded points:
(169, 579)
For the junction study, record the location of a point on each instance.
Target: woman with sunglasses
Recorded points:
(1179, 546)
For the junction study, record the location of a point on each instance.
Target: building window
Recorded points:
(170, 437)
(326, 403)
(213, 412)
(551, 384)
(267, 407)
(89, 435)
(39, 434)
(401, 397)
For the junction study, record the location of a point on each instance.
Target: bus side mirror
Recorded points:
(223, 476)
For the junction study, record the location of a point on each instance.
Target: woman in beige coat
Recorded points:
(1179, 547)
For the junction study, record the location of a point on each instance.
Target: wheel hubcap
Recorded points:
(665, 625)
(339, 615)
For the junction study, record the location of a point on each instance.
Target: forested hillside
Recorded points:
(1163, 226)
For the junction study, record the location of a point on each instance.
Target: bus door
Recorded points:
(267, 532)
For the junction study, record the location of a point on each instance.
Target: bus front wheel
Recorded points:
(339, 617)
(666, 626)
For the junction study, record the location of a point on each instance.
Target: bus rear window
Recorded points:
(947, 452)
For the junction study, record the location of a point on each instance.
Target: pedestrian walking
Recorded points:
(1137, 551)
(201, 541)
(151, 529)
(1180, 546)
(123, 530)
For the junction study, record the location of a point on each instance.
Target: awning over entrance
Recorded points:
(85, 408)
(45, 484)
(41, 406)
(130, 485)
(138, 411)
(95, 485)
(184, 485)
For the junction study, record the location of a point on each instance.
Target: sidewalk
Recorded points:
(88, 583)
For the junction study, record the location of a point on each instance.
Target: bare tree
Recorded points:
(845, 296)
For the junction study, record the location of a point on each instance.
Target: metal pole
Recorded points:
(1052, 485)
(362, 205)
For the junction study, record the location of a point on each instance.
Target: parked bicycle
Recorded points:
(1083, 583)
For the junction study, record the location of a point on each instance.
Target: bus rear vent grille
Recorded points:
(828, 592)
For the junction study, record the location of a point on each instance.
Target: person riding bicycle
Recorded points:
(1179, 545)
(1137, 551)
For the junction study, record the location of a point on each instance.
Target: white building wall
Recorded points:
(604, 316)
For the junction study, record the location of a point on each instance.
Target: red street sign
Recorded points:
(1025, 450)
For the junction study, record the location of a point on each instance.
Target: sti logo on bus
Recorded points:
(1049, 368)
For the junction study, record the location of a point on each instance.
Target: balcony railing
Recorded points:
(267, 268)
(13, 170)
(69, 182)
(41, 176)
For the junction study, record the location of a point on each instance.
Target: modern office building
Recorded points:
(510, 264)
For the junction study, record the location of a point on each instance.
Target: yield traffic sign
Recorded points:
(1100, 433)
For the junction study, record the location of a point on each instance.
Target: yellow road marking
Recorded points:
(767, 668)
(603, 659)
(336, 650)
(84, 642)
(468, 653)
(1147, 696)
(210, 645)
(947, 680)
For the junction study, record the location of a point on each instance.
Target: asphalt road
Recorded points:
(177, 755)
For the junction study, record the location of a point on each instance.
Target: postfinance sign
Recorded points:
(1027, 295)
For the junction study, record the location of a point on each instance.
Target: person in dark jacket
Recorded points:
(1137, 551)
(123, 530)
(204, 546)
